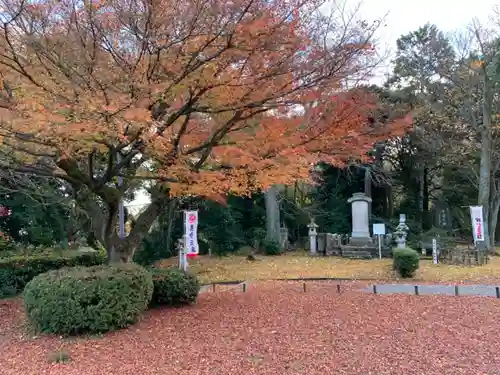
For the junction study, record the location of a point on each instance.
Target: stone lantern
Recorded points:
(401, 232)
(313, 233)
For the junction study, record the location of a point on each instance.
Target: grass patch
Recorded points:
(299, 264)
(59, 356)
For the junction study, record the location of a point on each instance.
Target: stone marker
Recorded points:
(360, 221)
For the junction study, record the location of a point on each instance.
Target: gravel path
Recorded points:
(449, 290)
(277, 328)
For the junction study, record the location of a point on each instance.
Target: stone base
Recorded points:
(333, 252)
(361, 241)
(364, 252)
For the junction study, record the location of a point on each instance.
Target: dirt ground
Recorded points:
(274, 328)
(299, 264)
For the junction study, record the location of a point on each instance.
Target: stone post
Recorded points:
(360, 220)
(313, 232)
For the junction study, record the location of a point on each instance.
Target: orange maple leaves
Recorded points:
(209, 96)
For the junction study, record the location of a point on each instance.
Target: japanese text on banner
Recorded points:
(476, 214)
(191, 229)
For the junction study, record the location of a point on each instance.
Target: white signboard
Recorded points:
(379, 229)
(191, 230)
(476, 215)
(434, 251)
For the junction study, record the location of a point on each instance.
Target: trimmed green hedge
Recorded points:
(17, 271)
(271, 247)
(406, 262)
(88, 299)
(174, 287)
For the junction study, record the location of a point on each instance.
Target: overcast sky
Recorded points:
(405, 16)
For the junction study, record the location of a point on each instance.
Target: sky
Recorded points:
(402, 17)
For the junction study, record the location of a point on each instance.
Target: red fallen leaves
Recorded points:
(278, 329)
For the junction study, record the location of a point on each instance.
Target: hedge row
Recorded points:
(17, 271)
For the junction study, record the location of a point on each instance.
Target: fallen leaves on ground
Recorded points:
(294, 265)
(276, 328)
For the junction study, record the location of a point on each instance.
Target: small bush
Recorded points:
(405, 262)
(88, 299)
(271, 247)
(174, 287)
(16, 271)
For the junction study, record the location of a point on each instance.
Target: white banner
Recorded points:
(476, 215)
(190, 231)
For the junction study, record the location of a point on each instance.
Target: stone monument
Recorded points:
(360, 244)
(360, 222)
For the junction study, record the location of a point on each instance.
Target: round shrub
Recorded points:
(173, 287)
(271, 247)
(406, 262)
(88, 299)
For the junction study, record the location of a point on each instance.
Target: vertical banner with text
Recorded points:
(191, 230)
(476, 215)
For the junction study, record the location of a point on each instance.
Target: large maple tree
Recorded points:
(197, 97)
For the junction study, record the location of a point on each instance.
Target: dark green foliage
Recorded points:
(443, 237)
(153, 248)
(271, 247)
(222, 228)
(88, 299)
(229, 227)
(458, 192)
(17, 271)
(174, 287)
(405, 262)
(7, 246)
(336, 186)
(35, 219)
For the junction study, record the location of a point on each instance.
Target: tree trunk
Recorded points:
(485, 170)
(494, 209)
(120, 253)
(485, 162)
(172, 204)
(368, 189)
(425, 200)
(390, 200)
(122, 250)
(272, 215)
(420, 197)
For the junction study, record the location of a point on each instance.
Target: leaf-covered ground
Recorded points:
(275, 329)
(294, 265)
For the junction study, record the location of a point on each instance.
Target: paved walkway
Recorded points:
(448, 290)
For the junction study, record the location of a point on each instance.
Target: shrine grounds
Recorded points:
(283, 327)
(274, 328)
(299, 264)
